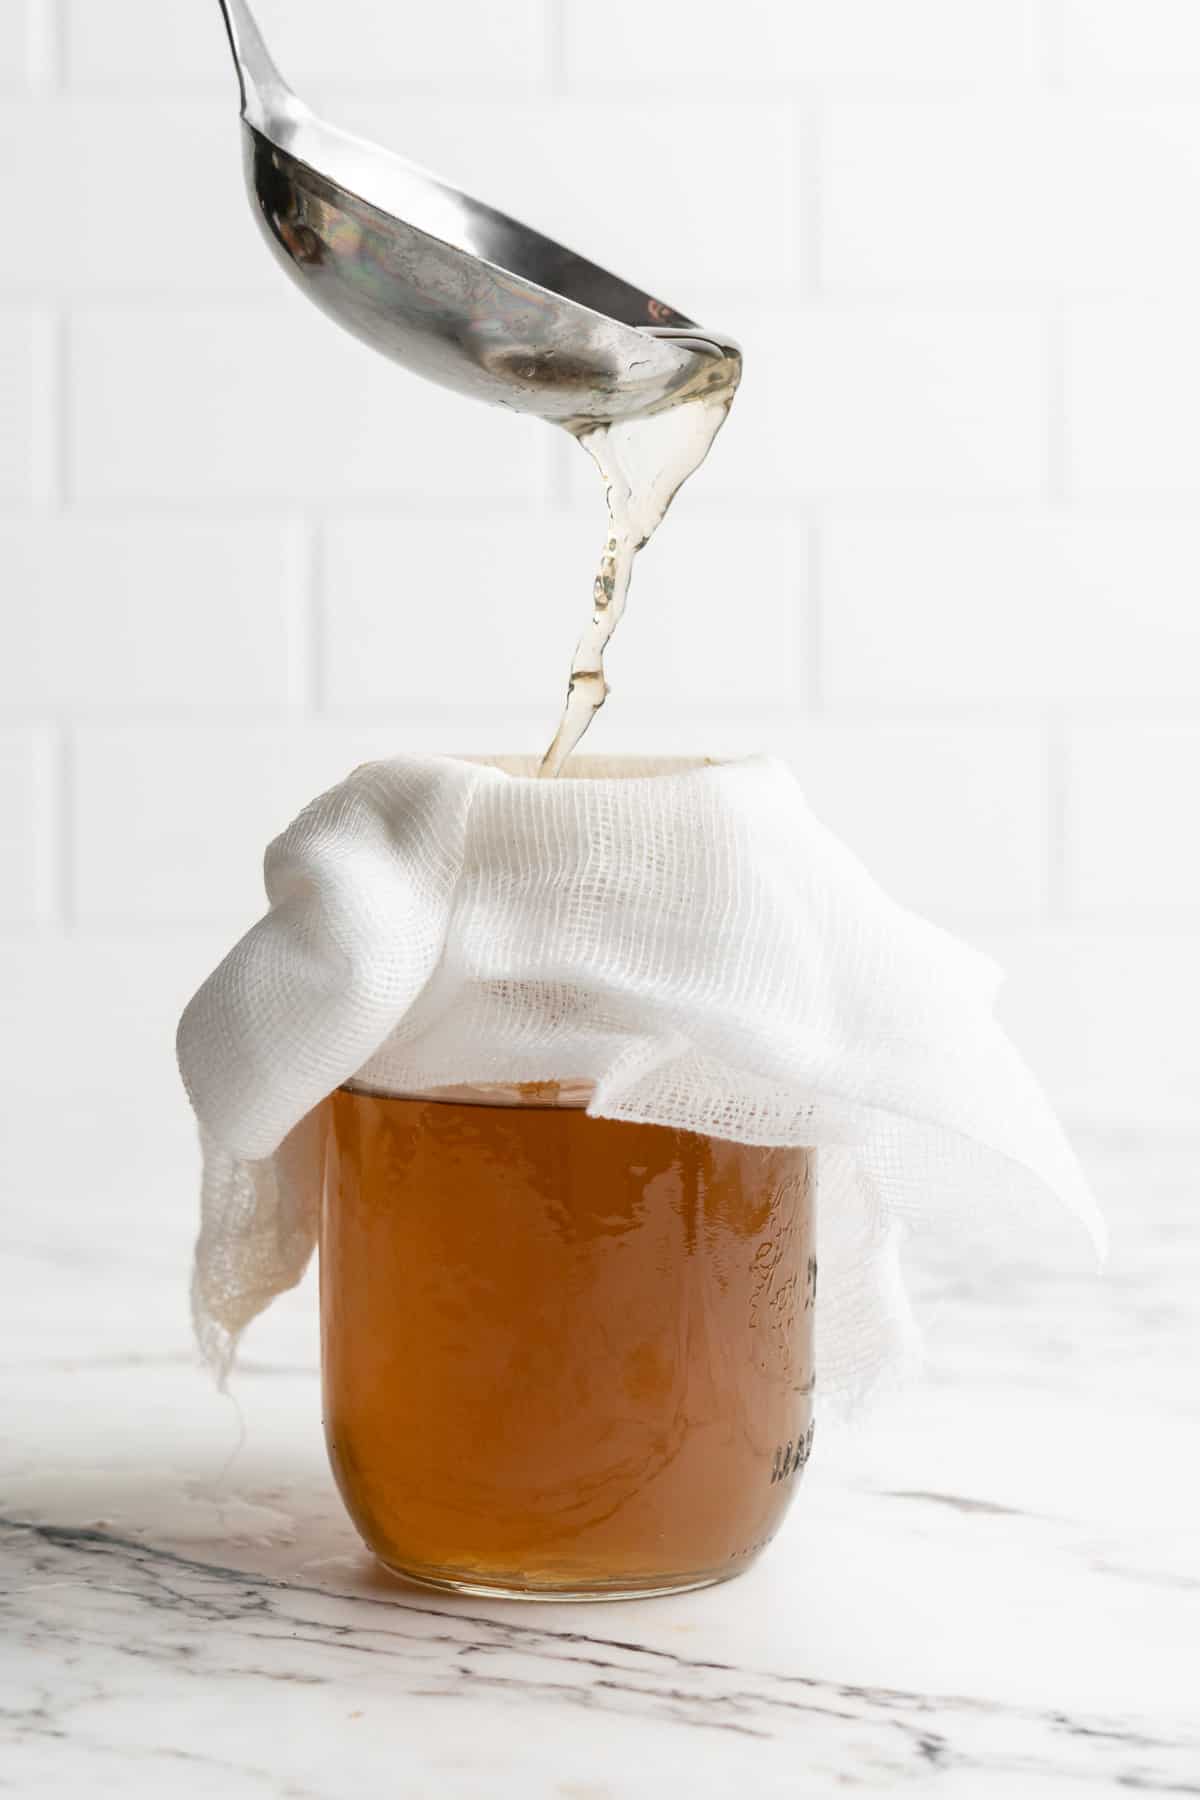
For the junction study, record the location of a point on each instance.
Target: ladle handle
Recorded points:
(265, 94)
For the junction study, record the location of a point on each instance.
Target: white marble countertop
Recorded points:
(989, 1588)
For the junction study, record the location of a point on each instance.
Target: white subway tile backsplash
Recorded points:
(359, 42)
(1132, 399)
(28, 826)
(898, 400)
(487, 613)
(719, 616)
(1132, 842)
(922, 41)
(1112, 39)
(455, 613)
(1107, 1019)
(364, 43)
(18, 398)
(144, 195)
(1129, 175)
(15, 44)
(95, 1129)
(143, 613)
(172, 821)
(896, 174)
(143, 41)
(951, 820)
(1059, 193)
(269, 404)
(1024, 613)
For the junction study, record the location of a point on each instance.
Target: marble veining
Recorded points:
(989, 1588)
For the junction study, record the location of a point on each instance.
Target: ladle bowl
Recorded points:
(444, 284)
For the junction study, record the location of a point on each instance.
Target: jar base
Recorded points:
(447, 1581)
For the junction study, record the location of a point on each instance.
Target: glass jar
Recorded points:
(563, 1357)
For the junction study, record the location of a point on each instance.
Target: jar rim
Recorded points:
(624, 766)
(544, 1096)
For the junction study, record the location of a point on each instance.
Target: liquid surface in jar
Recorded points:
(644, 461)
(562, 1353)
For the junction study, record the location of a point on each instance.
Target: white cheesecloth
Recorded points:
(687, 937)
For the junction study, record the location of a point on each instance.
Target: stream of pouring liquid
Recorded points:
(644, 462)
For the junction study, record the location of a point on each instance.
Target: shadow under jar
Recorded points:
(563, 1357)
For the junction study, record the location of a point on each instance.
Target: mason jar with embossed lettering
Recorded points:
(563, 1356)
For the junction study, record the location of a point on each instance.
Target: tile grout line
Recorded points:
(48, 455)
(1057, 432)
(1057, 819)
(555, 41)
(1128, 506)
(63, 415)
(816, 620)
(45, 65)
(64, 872)
(1054, 44)
(307, 676)
(816, 134)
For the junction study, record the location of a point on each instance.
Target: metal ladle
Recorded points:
(446, 285)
